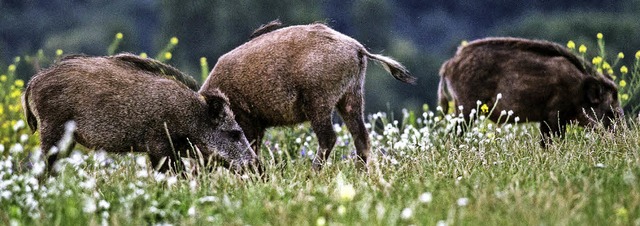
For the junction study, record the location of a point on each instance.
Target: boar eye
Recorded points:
(235, 134)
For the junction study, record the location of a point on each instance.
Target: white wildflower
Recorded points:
(341, 210)
(16, 149)
(208, 199)
(142, 173)
(510, 113)
(172, 180)
(88, 184)
(499, 96)
(75, 159)
(19, 125)
(337, 128)
(516, 119)
(426, 197)
(141, 161)
(159, 177)
(192, 211)
(407, 213)
(89, 205)
(599, 165)
(462, 201)
(104, 205)
(24, 138)
(321, 221)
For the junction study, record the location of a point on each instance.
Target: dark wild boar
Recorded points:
(539, 81)
(285, 76)
(125, 103)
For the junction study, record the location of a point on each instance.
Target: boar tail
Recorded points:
(393, 67)
(32, 121)
(266, 28)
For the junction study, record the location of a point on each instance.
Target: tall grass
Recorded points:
(420, 173)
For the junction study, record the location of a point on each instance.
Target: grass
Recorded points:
(503, 179)
(419, 173)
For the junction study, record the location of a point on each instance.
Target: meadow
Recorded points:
(421, 172)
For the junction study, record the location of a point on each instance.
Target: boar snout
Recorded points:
(235, 152)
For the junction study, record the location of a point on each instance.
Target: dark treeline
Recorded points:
(420, 34)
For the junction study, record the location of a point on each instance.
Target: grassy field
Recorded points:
(420, 173)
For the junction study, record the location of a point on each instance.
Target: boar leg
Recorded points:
(351, 111)
(160, 152)
(49, 137)
(251, 129)
(322, 127)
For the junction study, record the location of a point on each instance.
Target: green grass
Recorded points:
(590, 178)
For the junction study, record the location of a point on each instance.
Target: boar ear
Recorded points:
(216, 101)
(594, 91)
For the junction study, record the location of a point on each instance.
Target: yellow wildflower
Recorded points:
(624, 96)
(12, 68)
(624, 70)
(622, 212)
(168, 55)
(599, 36)
(582, 49)
(203, 60)
(606, 65)
(620, 55)
(610, 71)
(19, 83)
(571, 44)
(59, 52)
(14, 108)
(638, 55)
(484, 108)
(623, 83)
(1, 110)
(6, 125)
(15, 94)
(599, 70)
(464, 43)
(144, 55)
(174, 41)
(119, 35)
(3, 78)
(596, 60)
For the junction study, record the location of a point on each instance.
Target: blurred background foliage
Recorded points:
(420, 34)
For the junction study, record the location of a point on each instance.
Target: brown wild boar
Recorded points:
(285, 76)
(125, 103)
(540, 81)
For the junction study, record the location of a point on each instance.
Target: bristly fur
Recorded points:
(541, 47)
(157, 68)
(266, 28)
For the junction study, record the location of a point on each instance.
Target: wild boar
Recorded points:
(125, 103)
(539, 81)
(285, 76)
